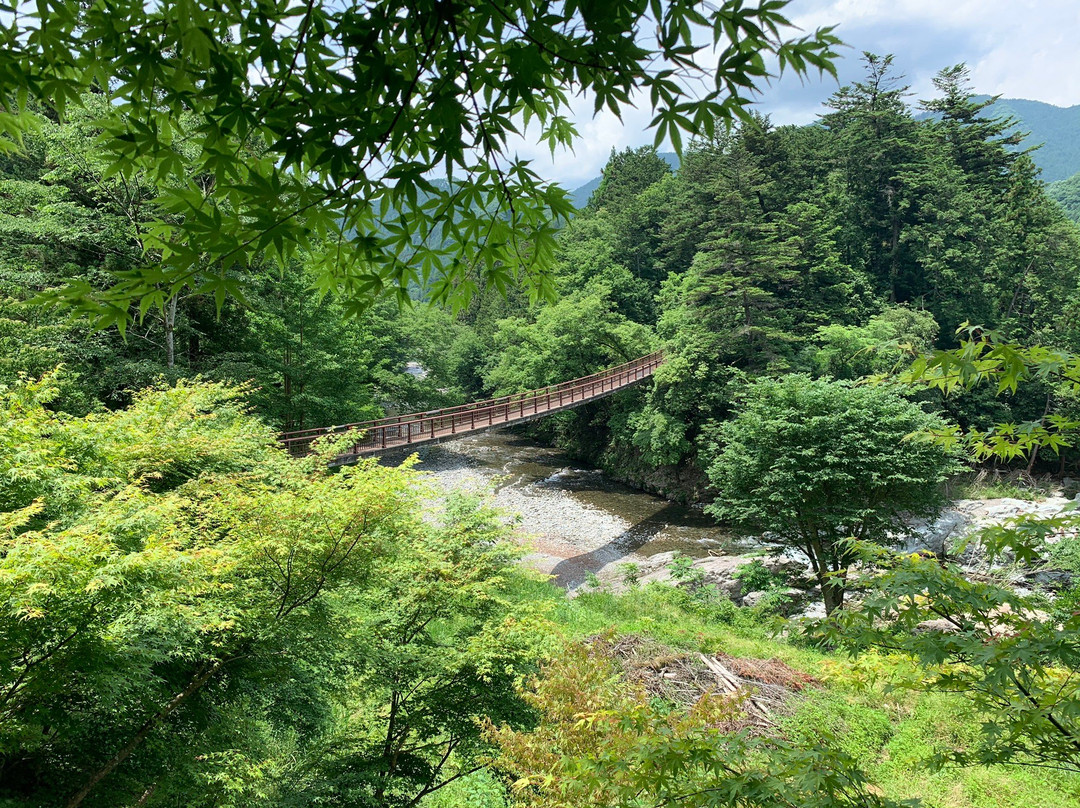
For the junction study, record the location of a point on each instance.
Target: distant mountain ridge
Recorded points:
(1056, 130)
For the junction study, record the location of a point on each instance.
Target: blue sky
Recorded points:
(1016, 48)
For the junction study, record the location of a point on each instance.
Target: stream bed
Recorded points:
(574, 518)
(576, 521)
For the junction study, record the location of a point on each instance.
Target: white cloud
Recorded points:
(599, 135)
(1016, 48)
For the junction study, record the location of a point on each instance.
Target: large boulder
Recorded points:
(949, 535)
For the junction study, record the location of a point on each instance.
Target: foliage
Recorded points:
(807, 463)
(601, 742)
(579, 335)
(190, 616)
(171, 435)
(1066, 193)
(756, 577)
(572, 338)
(627, 174)
(879, 347)
(630, 572)
(984, 357)
(64, 218)
(832, 250)
(314, 127)
(1013, 663)
(682, 569)
(871, 705)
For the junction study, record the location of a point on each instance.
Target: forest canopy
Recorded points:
(315, 127)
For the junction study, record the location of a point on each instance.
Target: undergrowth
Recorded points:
(1012, 486)
(894, 732)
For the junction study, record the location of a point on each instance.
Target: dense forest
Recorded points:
(190, 617)
(811, 250)
(772, 250)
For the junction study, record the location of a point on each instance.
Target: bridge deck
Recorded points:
(419, 429)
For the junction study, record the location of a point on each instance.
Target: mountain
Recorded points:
(581, 195)
(1056, 128)
(1067, 194)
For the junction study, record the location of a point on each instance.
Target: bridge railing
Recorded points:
(402, 430)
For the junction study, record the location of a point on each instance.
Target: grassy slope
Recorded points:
(894, 735)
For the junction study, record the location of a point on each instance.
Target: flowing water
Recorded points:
(576, 520)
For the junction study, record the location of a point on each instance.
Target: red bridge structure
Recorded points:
(435, 426)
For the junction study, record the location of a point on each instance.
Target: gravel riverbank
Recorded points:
(574, 520)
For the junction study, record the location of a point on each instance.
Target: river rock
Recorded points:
(952, 529)
(938, 626)
(717, 570)
(752, 599)
(814, 610)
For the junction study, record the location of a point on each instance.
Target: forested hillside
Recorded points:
(1067, 194)
(812, 249)
(1051, 129)
(223, 240)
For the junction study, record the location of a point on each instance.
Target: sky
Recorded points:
(1015, 48)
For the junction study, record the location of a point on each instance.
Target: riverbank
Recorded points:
(577, 521)
(580, 523)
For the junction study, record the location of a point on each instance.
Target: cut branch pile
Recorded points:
(764, 687)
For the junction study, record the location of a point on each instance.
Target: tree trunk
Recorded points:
(831, 581)
(193, 686)
(146, 795)
(170, 332)
(832, 592)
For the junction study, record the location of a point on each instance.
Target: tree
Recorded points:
(627, 174)
(980, 145)
(189, 616)
(579, 335)
(879, 347)
(320, 124)
(64, 221)
(1016, 664)
(810, 463)
(574, 337)
(874, 144)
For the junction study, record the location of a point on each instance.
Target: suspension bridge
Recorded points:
(423, 428)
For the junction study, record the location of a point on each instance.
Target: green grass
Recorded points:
(969, 486)
(894, 736)
(674, 618)
(897, 746)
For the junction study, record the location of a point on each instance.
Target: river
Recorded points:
(574, 519)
